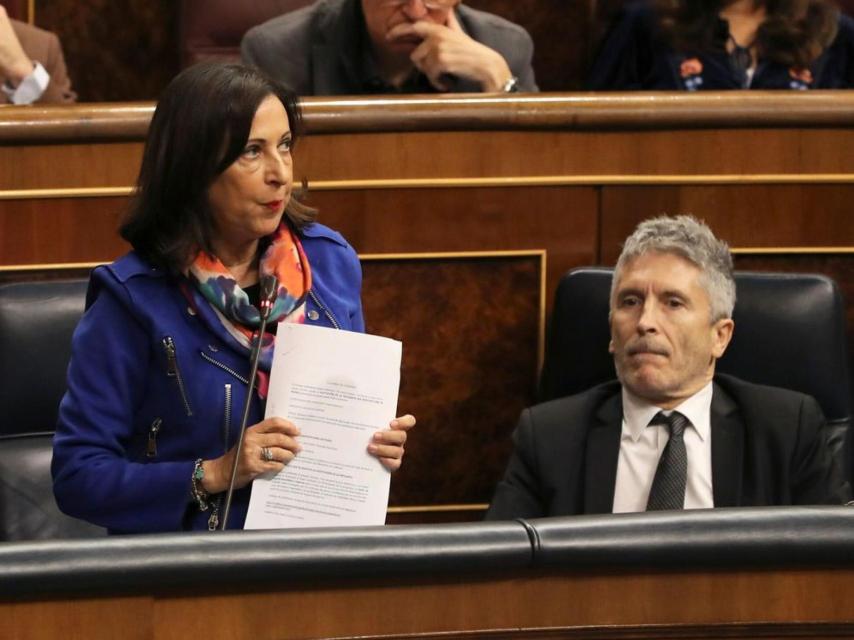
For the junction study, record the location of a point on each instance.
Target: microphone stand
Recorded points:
(269, 288)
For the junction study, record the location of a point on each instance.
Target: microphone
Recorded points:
(269, 290)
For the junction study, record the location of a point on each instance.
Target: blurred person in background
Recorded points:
(337, 47)
(716, 45)
(32, 68)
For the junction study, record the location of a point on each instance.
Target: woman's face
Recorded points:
(248, 198)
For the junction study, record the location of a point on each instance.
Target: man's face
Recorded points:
(382, 15)
(662, 337)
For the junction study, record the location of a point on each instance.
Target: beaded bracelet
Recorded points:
(199, 494)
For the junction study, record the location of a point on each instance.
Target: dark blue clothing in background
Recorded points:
(634, 57)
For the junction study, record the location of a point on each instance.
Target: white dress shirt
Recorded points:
(30, 88)
(641, 446)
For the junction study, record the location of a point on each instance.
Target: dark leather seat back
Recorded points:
(36, 323)
(37, 320)
(28, 510)
(213, 29)
(789, 332)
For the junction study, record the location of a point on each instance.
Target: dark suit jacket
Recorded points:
(43, 46)
(318, 50)
(768, 448)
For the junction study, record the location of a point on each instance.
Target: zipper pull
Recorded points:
(171, 360)
(213, 521)
(151, 449)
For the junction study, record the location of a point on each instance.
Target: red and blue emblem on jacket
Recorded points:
(691, 71)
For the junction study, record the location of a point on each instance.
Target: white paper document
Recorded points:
(338, 388)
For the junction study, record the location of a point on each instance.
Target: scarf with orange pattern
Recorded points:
(284, 258)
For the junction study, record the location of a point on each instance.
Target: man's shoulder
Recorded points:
(764, 408)
(294, 23)
(284, 47)
(28, 30)
(745, 392)
(844, 40)
(34, 41)
(278, 29)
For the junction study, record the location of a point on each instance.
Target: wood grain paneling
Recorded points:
(471, 330)
(560, 220)
(128, 618)
(807, 602)
(72, 166)
(60, 230)
(728, 154)
(114, 50)
(805, 215)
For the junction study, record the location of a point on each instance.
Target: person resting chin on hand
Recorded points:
(358, 47)
(446, 50)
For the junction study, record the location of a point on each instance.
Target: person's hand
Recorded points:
(387, 445)
(447, 50)
(14, 63)
(275, 435)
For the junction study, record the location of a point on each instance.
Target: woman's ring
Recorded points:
(266, 454)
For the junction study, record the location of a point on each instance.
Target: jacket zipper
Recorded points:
(213, 520)
(216, 363)
(153, 430)
(326, 311)
(174, 372)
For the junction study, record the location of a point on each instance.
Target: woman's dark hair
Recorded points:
(200, 127)
(794, 32)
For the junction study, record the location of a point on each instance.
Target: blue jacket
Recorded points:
(153, 385)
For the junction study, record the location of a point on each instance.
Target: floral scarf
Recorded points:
(284, 258)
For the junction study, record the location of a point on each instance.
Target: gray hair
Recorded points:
(691, 239)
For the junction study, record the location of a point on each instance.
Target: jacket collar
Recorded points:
(727, 449)
(601, 456)
(603, 450)
(343, 28)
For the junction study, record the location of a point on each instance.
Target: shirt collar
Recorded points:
(637, 412)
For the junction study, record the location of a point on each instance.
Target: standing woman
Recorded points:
(147, 430)
(727, 44)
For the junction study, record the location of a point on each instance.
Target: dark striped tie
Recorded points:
(668, 486)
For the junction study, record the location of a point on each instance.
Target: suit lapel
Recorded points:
(727, 449)
(601, 455)
(335, 57)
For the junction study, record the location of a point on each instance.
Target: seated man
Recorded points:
(32, 68)
(670, 434)
(337, 47)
